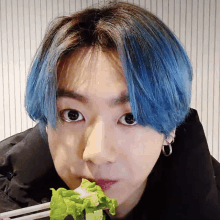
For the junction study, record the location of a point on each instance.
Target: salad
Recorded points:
(68, 202)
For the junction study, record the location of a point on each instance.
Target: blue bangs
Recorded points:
(40, 99)
(159, 76)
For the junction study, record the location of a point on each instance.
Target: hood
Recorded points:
(181, 186)
(27, 165)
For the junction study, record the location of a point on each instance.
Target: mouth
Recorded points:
(105, 184)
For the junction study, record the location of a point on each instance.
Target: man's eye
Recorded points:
(71, 115)
(128, 118)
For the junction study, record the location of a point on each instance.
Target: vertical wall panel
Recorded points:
(38, 24)
(11, 75)
(2, 104)
(73, 5)
(79, 5)
(16, 69)
(50, 10)
(165, 10)
(199, 76)
(195, 22)
(159, 5)
(194, 51)
(210, 77)
(154, 7)
(55, 8)
(28, 25)
(204, 66)
(21, 70)
(5, 64)
(43, 11)
(177, 18)
(60, 8)
(171, 15)
(216, 109)
(142, 4)
(67, 6)
(84, 4)
(182, 22)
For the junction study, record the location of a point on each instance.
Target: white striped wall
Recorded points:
(195, 22)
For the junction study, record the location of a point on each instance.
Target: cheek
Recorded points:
(145, 144)
(62, 148)
(144, 157)
(144, 153)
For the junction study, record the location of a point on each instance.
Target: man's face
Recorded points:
(97, 139)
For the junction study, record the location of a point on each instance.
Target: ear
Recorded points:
(170, 138)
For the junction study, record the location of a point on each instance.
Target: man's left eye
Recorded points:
(128, 118)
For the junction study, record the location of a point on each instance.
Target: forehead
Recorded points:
(88, 64)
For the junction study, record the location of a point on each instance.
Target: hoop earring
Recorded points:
(170, 148)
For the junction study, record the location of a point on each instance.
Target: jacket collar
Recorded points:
(180, 186)
(32, 166)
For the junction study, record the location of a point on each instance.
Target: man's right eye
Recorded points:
(71, 115)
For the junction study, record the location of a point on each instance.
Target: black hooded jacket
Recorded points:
(183, 186)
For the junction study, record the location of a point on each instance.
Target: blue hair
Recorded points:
(156, 66)
(41, 92)
(159, 77)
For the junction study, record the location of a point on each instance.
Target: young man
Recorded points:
(110, 89)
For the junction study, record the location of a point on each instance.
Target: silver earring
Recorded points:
(170, 148)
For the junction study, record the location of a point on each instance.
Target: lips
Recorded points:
(105, 184)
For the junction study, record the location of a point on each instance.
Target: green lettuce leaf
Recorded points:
(67, 202)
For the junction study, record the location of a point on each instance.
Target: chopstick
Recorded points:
(40, 207)
(30, 209)
(36, 208)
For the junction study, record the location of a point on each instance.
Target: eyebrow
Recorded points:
(121, 100)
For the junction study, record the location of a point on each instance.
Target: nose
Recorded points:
(98, 149)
